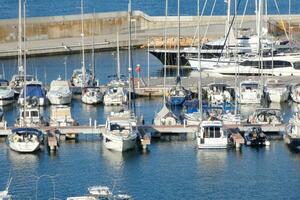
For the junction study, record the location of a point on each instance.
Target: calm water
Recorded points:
(9, 8)
(170, 170)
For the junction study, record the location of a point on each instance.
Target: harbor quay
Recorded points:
(61, 34)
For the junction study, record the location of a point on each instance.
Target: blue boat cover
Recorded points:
(34, 90)
(26, 130)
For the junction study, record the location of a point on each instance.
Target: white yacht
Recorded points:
(7, 95)
(4, 195)
(276, 91)
(17, 81)
(25, 140)
(211, 135)
(286, 65)
(295, 93)
(218, 93)
(59, 92)
(250, 92)
(31, 118)
(120, 132)
(60, 116)
(91, 95)
(34, 92)
(264, 116)
(100, 191)
(292, 136)
(81, 80)
(165, 117)
(82, 198)
(116, 93)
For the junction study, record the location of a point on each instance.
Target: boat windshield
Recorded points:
(212, 132)
(117, 127)
(250, 86)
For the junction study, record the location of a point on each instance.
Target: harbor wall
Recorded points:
(69, 26)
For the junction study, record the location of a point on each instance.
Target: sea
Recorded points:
(172, 168)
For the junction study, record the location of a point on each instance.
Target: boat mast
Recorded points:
(227, 29)
(82, 45)
(178, 44)
(93, 51)
(118, 58)
(25, 65)
(20, 65)
(165, 43)
(199, 59)
(130, 72)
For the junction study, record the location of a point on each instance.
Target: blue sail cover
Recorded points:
(33, 90)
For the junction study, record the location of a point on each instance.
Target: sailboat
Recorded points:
(178, 94)
(120, 128)
(18, 80)
(116, 93)
(82, 77)
(26, 139)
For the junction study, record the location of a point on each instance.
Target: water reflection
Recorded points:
(212, 160)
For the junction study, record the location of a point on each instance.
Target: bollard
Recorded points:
(90, 121)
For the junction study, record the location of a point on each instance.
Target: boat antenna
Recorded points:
(82, 45)
(93, 49)
(165, 44)
(20, 59)
(118, 58)
(178, 80)
(130, 71)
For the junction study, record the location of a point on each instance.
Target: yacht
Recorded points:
(4, 195)
(292, 136)
(80, 80)
(34, 92)
(250, 92)
(266, 116)
(116, 93)
(7, 95)
(122, 197)
(59, 92)
(211, 135)
(91, 95)
(120, 131)
(285, 65)
(218, 93)
(276, 91)
(100, 191)
(25, 140)
(177, 95)
(32, 117)
(165, 117)
(295, 93)
(17, 81)
(255, 137)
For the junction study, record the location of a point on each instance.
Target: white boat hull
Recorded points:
(4, 102)
(60, 100)
(118, 143)
(24, 147)
(278, 97)
(212, 143)
(91, 100)
(41, 101)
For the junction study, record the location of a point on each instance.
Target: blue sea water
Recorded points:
(37, 8)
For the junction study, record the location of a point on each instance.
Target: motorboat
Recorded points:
(211, 135)
(292, 136)
(177, 95)
(295, 93)
(280, 65)
(165, 117)
(80, 79)
(276, 91)
(34, 91)
(122, 197)
(59, 92)
(60, 116)
(31, 118)
(7, 95)
(82, 198)
(25, 140)
(17, 81)
(254, 136)
(120, 131)
(4, 195)
(218, 93)
(250, 92)
(91, 95)
(116, 93)
(100, 191)
(266, 116)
